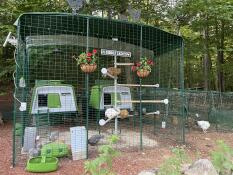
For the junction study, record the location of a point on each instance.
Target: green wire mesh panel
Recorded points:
(60, 96)
(224, 111)
(215, 107)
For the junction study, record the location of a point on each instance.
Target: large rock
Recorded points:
(149, 172)
(200, 167)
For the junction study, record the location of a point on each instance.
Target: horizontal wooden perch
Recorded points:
(124, 64)
(138, 85)
(165, 101)
(149, 113)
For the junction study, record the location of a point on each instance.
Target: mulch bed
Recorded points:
(129, 163)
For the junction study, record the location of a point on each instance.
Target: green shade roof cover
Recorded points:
(149, 37)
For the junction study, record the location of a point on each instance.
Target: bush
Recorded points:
(172, 165)
(222, 158)
(102, 165)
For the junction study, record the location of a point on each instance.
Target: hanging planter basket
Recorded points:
(143, 73)
(88, 68)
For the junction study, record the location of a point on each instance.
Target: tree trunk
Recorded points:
(220, 54)
(206, 61)
(188, 66)
(109, 12)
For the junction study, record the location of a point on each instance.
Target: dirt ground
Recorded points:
(129, 163)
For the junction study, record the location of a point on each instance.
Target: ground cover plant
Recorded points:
(102, 165)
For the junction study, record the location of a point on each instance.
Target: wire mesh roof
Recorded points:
(148, 37)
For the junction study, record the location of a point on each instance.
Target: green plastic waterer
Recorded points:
(42, 164)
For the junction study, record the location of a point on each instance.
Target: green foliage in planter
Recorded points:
(172, 165)
(222, 158)
(102, 165)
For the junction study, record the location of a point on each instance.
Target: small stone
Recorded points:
(207, 138)
(208, 145)
(153, 171)
(183, 146)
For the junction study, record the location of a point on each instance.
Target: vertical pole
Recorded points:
(98, 115)
(140, 95)
(182, 89)
(87, 105)
(16, 55)
(154, 123)
(14, 121)
(87, 90)
(115, 94)
(23, 113)
(13, 143)
(140, 113)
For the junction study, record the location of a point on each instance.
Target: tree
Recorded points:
(206, 27)
(212, 20)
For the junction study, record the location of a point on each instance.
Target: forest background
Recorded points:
(205, 25)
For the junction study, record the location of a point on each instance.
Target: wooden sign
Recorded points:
(115, 53)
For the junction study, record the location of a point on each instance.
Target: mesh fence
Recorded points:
(216, 107)
(58, 106)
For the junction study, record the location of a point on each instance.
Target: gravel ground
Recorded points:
(129, 163)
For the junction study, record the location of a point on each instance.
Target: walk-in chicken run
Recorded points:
(80, 79)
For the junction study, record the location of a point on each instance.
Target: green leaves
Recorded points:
(143, 64)
(113, 139)
(87, 58)
(102, 165)
(172, 165)
(222, 158)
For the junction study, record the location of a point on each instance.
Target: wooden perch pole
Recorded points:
(124, 64)
(142, 101)
(138, 85)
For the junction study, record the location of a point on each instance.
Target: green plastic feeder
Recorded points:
(54, 150)
(42, 164)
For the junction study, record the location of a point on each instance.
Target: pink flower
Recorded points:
(89, 54)
(150, 62)
(138, 64)
(94, 51)
(133, 68)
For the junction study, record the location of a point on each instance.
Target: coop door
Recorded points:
(109, 99)
(51, 100)
(118, 98)
(54, 100)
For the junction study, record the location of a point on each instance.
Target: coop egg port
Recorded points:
(60, 97)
